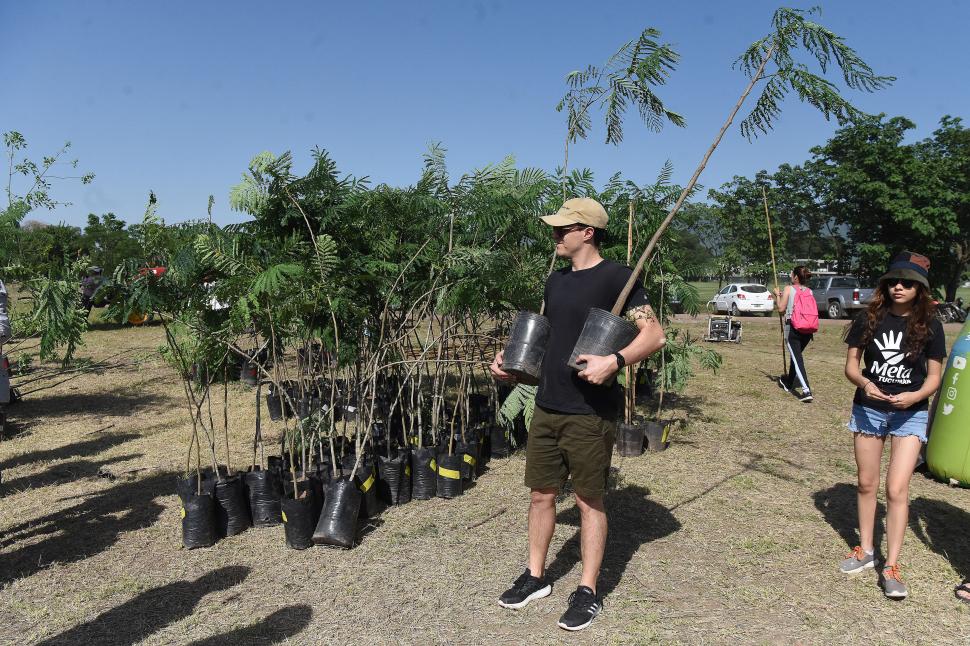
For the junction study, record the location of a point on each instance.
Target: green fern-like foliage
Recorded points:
(521, 401)
(626, 80)
(793, 29)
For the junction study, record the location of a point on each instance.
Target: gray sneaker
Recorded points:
(857, 561)
(892, 583)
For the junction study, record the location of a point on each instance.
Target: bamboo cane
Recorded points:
(628, 370)
(625, 293)
(774, 273)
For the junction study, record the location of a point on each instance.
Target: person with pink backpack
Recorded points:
(801, 324)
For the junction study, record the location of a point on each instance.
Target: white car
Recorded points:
(743, 298)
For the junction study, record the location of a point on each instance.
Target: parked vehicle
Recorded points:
(950, 313)
(743, 298)
(839, 296)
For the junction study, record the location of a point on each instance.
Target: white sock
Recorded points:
(870, 552)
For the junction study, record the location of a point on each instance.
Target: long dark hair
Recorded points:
(803, 274)
(922, 312)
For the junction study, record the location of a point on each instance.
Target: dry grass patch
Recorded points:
(732, 535)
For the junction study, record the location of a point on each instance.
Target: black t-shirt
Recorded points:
(569, 296)
(885, 363)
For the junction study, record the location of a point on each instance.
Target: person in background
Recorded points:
(901, 346)
(796, 341)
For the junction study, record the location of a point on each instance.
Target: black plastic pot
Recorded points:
(499, 436)
(274, 404)
(468, 451)
(249, 366)
(526, 347)
(603, 334)
(366, 480)
(264, 491)
(198, 521)
(394, 483)
(188, 486)
(338, 522)
(300, 516)
(232, 507)
(424, 474)
(657, 436)
(629, 439)
(449, 476)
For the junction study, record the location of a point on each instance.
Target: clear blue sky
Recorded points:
(178, 96)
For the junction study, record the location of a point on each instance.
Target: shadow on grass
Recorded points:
(697, 408)
(84, 530)
(277, 627)
(839, 508)
(114, 403)
(83, 448)
(945, 529)
(150, 611)
(74, 470)
(634, 520)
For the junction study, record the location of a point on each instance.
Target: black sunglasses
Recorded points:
(569, 228)
(905, 282)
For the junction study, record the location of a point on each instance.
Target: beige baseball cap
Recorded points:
(579, 210)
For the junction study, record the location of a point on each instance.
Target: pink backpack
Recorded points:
(804, 315)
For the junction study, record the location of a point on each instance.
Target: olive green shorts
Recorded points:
(562, 445)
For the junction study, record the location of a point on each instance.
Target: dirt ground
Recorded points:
(730, 536)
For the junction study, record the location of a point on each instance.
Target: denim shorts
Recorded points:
(880, 423)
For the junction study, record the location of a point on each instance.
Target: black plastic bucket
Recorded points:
(424, 474)
(274, 404)
(300, 516)
(657, 436)
(366, 480)
(629, 439)
(603, 334)
(394, 484)
(469, 453)
(232, 507)
(499, 441)
(338, 522)
(264, 491)
(449, 476)
(526, 347)
(198, 521)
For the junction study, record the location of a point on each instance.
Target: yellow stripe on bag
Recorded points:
(183, 512)
(407, 470)
(368, 483)
(283, 514)
(433, 465)
(451, 474)
(469, 459)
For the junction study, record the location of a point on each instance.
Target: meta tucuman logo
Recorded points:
(889, 371)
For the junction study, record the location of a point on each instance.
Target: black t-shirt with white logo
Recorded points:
(885, 362)
(569, 296)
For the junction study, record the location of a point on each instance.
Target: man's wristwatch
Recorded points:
(620, 361)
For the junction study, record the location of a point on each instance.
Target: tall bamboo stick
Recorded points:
(774, 272)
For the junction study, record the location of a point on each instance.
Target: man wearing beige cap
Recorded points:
(574, 424)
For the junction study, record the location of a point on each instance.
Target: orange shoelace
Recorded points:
(892, 572)
(857, 553)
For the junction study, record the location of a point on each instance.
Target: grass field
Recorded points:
(730, 536)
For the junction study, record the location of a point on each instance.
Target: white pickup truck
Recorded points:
(839, 296)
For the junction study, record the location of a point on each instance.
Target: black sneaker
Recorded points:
(806, 396)
(783, 385)
(583, 608)
(525, 589)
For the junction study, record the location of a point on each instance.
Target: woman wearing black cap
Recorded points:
(901, 346)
